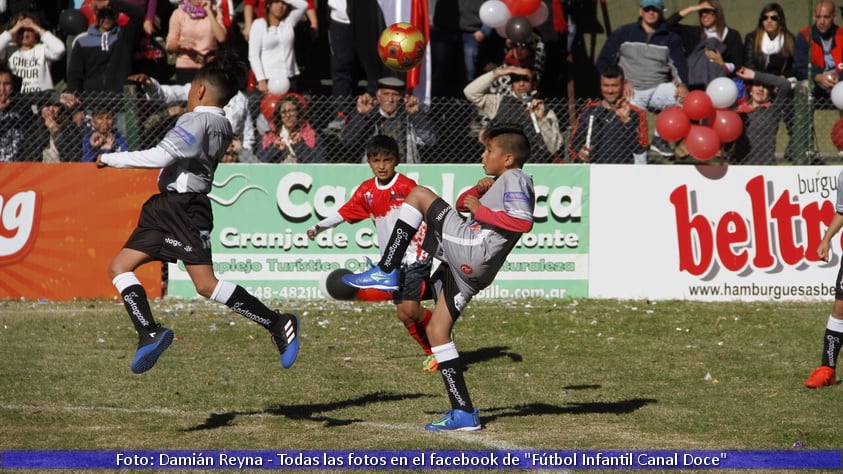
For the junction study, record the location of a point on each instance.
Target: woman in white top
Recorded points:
(29, 50)
(271, 42)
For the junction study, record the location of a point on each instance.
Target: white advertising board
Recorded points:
(711, 233)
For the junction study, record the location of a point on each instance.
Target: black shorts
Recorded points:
(175, 226)
(443, 281)
(413, 281)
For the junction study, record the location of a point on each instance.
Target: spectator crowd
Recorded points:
(84, 77)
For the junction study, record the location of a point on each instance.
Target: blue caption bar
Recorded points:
(421, 459)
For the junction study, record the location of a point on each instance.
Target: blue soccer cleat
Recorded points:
(456, 420)
(285, 333)
(151, 346)
(373, 278)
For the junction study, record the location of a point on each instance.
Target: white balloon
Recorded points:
(538, 17)
(278, 85)
(723, 92)
(494, 13)
(837, 95)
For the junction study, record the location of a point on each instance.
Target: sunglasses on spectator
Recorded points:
(708, 11)
(771, 17)
(652, 9)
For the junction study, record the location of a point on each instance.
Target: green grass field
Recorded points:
(565, 374)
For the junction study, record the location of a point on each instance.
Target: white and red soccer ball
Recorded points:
(401, 46)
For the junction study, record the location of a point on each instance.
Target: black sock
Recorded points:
(244, 304)
(452, 375)
(137, 305)
(397, 245)
(831, 347)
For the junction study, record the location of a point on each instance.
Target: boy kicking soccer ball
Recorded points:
(472, 251)
(176, 224)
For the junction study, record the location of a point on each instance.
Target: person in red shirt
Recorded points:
(380, 199)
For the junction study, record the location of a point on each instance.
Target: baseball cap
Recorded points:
(391, 83)
(652, 3)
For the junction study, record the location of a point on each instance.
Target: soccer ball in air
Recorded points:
(401, 46)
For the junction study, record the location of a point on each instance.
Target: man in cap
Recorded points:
(383, 114)
(653, 62)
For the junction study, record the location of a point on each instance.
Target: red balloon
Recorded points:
(702, 142)
(268, 103)
(837, 134)
(727, 124)
(697, 105)
(522, 7)
(673, 124)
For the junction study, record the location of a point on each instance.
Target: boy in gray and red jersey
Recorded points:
(472, 250)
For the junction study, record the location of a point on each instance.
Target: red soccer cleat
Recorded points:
(821, 377)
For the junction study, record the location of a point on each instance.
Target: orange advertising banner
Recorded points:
(62, 223)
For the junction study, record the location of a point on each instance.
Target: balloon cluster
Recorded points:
(837, 129)
(514, 19)
(715, 122)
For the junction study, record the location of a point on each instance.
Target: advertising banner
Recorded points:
(61, 224)
(712, 232)
(262, 212)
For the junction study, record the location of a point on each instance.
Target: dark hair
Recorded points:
(788, 47)
(18, 37)
(719, 23)
(291, 98)
(382, 144)
(226, 74)
(106, 12)
(613, 71)
(511, 139)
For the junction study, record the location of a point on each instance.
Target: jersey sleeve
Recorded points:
(181, 141)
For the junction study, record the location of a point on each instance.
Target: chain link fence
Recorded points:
(38, 127)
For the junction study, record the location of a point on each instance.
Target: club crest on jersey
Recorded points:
(369, 197)
(466, 269)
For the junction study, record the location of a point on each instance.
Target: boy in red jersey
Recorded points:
(380, 199)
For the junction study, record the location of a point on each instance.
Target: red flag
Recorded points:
(420, 19)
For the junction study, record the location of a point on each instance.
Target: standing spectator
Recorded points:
(291, 138)
(271, 43)
(103, 138)
(760, 112)
(822, 45)
(29, 50)
(653, 62)
(819, 54)
(353, 30)
(518, 105)
(100, 59)
(455, 38)
(197, 29)
(16, 121)
(712, 48)
(770, 48)
(610, 130)
(383, 115)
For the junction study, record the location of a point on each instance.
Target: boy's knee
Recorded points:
(205, 289)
